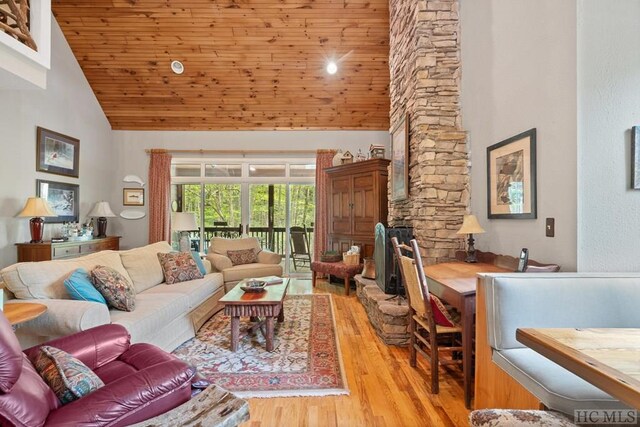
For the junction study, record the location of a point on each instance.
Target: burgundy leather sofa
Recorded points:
(141, 381)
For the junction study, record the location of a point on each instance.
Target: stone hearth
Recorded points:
(390, 320)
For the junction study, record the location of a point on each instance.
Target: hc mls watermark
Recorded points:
(605, 416)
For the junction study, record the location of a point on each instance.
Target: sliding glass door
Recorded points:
(302, 211)
(222, 211)
(272, 201)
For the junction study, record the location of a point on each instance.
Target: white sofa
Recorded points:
(556, 300)
(165, 315)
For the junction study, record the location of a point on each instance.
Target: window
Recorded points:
(219, 170)
(308, 170)
(267, 170)
(270, 199)
(185, 169)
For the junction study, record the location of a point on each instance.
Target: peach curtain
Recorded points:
(324, 159)
(159, 196)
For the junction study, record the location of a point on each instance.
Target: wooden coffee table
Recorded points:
(267, 305)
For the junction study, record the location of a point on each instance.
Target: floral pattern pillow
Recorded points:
(243, 256)
(69, 378)
(179, 267)
(114, 287)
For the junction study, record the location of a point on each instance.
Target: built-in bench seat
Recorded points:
(556, 300)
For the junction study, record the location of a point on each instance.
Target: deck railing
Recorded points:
(273, 239)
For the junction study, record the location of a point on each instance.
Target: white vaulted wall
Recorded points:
(68, 106)
(518, 73)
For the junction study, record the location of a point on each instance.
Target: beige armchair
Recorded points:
(268, 262)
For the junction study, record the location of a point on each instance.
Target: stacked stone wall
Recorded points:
(425, 83)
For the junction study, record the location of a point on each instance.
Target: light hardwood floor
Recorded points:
(384, 389)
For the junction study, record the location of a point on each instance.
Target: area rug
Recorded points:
(306, 360)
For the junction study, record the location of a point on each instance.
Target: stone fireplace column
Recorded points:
(424, 63)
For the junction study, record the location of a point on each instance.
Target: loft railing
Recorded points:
(14, 20)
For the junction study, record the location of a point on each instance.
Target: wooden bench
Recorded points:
(338, 269)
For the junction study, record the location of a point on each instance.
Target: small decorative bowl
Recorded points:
(254, 286)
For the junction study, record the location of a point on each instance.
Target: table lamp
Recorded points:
(102, 210)
(184, 222)
(37, 208)
(470, 226)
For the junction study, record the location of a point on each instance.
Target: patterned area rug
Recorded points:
(306, 360)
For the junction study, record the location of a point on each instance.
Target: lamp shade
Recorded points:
(184, 221)
(470, 225)
(36, 207)
(102, 209)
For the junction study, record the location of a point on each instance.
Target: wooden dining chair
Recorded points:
(426, 334)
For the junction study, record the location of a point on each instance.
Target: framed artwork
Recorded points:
(63, 198)
(57, 153)
(511, 177)
(635, 158)
(400, 160)
(133, 196)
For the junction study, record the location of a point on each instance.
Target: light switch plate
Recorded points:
(550, 227)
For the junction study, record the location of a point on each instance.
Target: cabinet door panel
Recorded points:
(364, 204)
(340, 221)
(340, 245)
(366, 247)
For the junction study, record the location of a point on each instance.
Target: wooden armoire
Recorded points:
(357, 202)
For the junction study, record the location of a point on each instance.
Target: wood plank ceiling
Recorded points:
(249, 64)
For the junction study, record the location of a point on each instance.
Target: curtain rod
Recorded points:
(242, 152)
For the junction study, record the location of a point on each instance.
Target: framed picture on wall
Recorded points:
(511, 177)
(57, 153)
(133, 196)
(63, 198)
(635, 158)
(400, 160)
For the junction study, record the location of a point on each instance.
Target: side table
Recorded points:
(20, 312)
(338, 269)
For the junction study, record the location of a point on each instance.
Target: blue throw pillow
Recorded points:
(199, 263)
(80, 287)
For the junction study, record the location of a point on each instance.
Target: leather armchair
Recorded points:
(141, 381)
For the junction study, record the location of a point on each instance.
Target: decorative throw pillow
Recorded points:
(243, 256)
(79, 286)
(178, 267)
(114, 287)
(69, 378)
(199, 263)
(441, 315)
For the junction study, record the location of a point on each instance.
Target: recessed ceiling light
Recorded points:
(177, 67)
(332, 67)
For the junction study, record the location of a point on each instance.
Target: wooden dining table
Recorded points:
(455, 283)
(608, 358)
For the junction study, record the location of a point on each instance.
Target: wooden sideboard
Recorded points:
(357, 201)
(46, 251)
